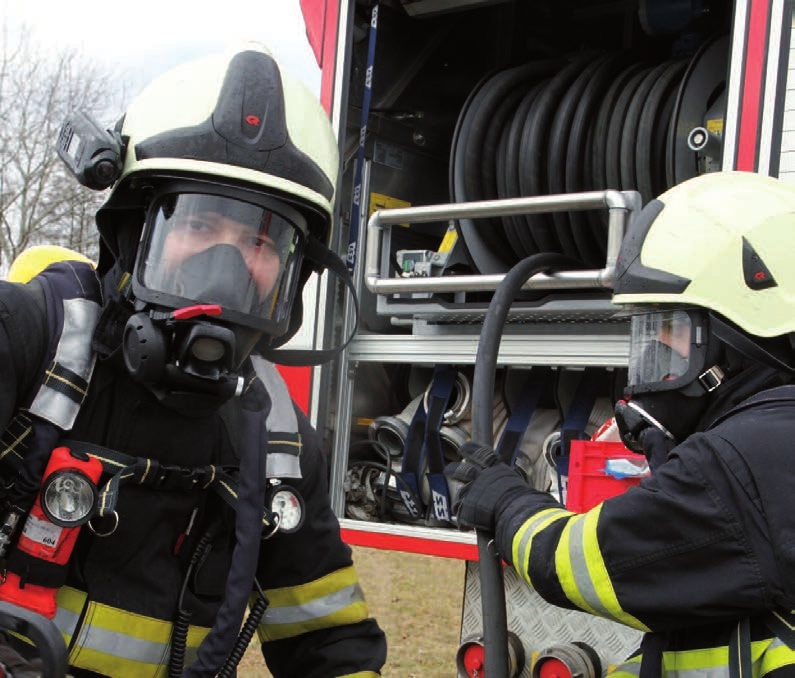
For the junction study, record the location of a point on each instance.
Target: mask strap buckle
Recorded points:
(712, 378)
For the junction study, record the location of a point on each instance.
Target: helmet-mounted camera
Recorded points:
(94, 155)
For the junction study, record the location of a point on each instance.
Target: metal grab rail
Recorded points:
(621, 205)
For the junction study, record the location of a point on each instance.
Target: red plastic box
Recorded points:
(589, 483)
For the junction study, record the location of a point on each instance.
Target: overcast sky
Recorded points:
(143, 38)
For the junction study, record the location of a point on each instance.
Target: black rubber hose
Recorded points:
(229, 669)
(492, 585)
(216, 646)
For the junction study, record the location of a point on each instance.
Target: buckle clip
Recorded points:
(711, 378)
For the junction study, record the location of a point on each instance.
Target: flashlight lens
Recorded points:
(68, 498)
(208, 350)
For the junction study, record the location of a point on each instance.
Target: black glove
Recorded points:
(656, 447)
(477, 483)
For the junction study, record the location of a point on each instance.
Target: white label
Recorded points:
(74, 146)
(42, 531)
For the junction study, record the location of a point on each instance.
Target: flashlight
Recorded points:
(37, 566)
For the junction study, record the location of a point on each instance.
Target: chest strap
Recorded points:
(124, 468)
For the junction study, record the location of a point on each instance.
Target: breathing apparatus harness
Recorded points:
(42, 570)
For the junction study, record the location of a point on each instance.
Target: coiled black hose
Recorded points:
(492, 585)
(179, 632)
(258, 609)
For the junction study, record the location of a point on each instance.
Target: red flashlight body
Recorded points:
(46, 541)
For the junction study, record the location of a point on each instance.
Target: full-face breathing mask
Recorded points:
(672, 365)
(214, 272)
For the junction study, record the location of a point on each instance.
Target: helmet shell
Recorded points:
(234, 118)
(721, 241)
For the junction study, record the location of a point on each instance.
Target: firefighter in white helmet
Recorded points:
(700, 555)
(214, 486)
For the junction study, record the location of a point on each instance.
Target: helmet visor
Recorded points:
(666, 350)
(214, 249)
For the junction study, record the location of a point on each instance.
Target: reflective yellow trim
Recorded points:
(116, 642)
(305, 593)
(775, 657)
(766, 656)
(333, 600)
(523, 539)
(583, 574)
(629, 669)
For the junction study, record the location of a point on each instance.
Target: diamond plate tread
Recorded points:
(540, 625)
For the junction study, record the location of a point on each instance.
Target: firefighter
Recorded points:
(152, 364)
(700, 555)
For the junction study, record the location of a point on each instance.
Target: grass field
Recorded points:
(417, 601)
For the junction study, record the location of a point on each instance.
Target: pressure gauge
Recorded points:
(289, 506)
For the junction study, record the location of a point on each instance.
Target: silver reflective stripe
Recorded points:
(579, 568)
(66, 620)
(123, 646)
(321, 607)
(114, 644)
(281, 419)
(74, 353)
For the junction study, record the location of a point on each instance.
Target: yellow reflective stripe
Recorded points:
(582, 571)
(523, 539)
(116, 642)
(775, 657)
(629, 669)
(333, 600)
(766, 655)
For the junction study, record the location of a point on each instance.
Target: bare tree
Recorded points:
(40, 201)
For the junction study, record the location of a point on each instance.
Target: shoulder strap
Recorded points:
(72, 300)
(284, 439)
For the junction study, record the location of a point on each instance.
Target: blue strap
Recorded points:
(423, 444)
(356, 207)
(412, 463)
(576, 419)
(444, 377)
(537, 381)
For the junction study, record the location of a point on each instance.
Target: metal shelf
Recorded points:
(570, 349)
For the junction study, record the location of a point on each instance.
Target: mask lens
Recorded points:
(659, 348)
(213, 249)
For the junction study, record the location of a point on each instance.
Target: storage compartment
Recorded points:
(599, 470)
(487, 100)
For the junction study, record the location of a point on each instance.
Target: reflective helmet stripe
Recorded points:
(334, 600)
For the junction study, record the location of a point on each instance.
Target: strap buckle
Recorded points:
(711, 378)
(179, 478)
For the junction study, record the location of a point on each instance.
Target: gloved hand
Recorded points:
(656, 446)
(477, 483)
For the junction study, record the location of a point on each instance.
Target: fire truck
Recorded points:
(473, 135)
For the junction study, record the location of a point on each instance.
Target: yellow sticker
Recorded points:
(449, 240)
(379, 201)
(715, 126)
